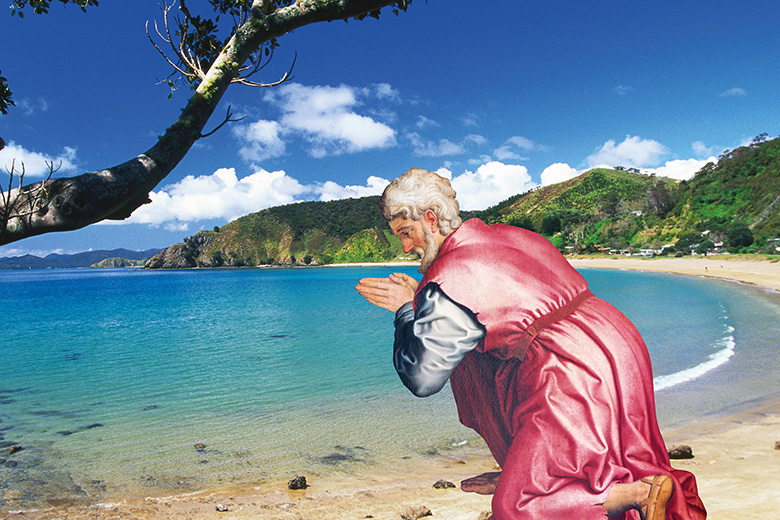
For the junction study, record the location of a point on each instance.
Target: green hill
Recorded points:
(305, 233)
(736, 203)
(742, 190)
(601, 207)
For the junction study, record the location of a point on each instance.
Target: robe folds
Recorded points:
(560, 387)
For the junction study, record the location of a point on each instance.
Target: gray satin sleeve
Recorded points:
(430, 343)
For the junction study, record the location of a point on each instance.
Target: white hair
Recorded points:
(413, 193)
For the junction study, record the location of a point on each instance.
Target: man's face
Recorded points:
(416, 238)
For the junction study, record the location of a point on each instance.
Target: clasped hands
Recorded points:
(389, 293)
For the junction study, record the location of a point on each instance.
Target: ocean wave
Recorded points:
(725, 350)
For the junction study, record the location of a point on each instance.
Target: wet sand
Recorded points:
(736, 462)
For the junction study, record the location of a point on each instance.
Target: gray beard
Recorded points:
(427, 254)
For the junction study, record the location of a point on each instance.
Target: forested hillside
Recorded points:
(742, 191)
(349, 230)
(734, 205)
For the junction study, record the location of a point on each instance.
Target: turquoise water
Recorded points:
(120, 382)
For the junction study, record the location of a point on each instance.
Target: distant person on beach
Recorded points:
(557, 381)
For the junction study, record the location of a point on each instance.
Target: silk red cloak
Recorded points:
(561, 387)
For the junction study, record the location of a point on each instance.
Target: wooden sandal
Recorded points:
(654, 506)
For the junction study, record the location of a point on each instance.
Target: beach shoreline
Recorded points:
(757, 271)
(735, 462)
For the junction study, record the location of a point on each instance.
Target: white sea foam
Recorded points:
(725, 350)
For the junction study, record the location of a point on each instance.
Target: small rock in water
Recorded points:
(200, 446)
(443, 484)
(12, 449)
(297, 482)
(222, 508)
(413, 513)
(680, 451)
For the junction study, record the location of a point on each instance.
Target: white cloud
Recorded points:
(386, 91)
(223, 196)
(681, 169)
(325, 117)
(220, 195)
(425, 148)
(621, 90)
(8, 251)
(558, 172)
(702, 150)
(490, 184)
(442, 147)
(512, 146)
(29, 107)
(733, 92)
(470, 120)
(262, 140)
(333, 191)
(632, 152)
(475, 139)
(423, 121)
(34, 163)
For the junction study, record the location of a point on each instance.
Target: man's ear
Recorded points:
(431, 220)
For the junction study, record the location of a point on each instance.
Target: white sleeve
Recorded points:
(430, 343)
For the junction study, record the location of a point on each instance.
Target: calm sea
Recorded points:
(130, 382)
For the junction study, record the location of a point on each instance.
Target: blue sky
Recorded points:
(501, 96)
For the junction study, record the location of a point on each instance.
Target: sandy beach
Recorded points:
(736, 458)
(754, 271)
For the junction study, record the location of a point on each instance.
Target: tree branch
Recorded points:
(228, 119)
(114, 193)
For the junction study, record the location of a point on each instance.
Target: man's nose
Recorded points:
(407, 245)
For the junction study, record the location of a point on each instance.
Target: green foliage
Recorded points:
(740, 236)
(368, 245)
(741, 190)
(42, 6)
(618, 209)
(551, 224)
(5, 96)
(688, 242)
(338, 218)
(705, 247)
(522, 221)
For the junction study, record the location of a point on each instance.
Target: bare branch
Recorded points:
(287, 77)
(162, 53)
(188, 62)
(35, 196)
(257, 64)
(228, 119)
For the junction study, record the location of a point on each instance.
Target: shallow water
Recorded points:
(120, 382)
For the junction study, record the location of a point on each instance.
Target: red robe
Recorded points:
(561, 387)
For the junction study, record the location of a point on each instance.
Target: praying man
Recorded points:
(555, 380)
